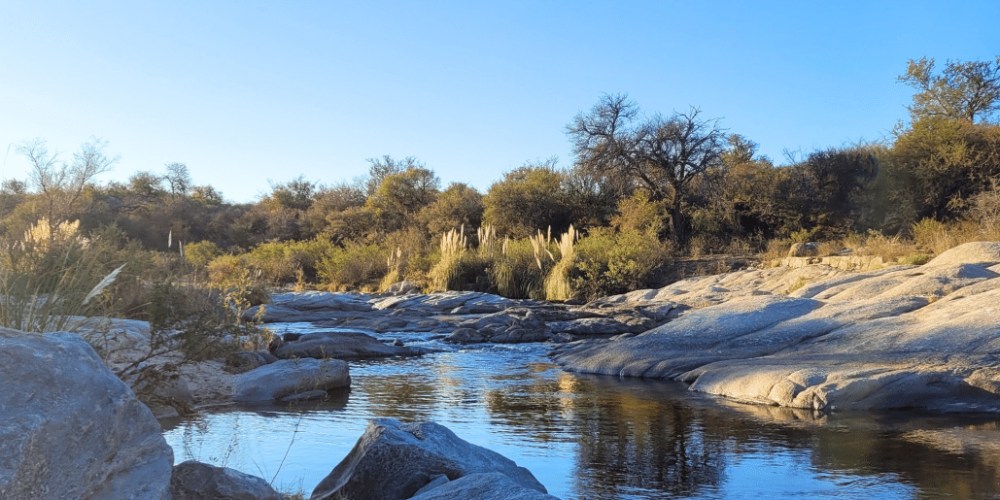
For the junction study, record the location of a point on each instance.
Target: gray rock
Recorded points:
(466, 336)
(393, 460)
(193, 480)
(342, 345)
(70, 429)
(803, 250)
(485, 486)
(287, 377)
(986, 253)
(901, 337)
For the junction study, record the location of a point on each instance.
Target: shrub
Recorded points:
(201, 253)
(610, 263)
(353, 267)
(518, 272)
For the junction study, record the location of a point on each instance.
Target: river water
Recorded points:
(590, 437)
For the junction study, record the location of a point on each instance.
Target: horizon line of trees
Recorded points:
(681, 177)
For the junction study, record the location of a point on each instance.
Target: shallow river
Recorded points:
(587, 437)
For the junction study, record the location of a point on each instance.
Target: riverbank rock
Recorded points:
(194, 480)
(288, 377)
(393, 460)
(821, 338)
(342, 345)
(70, 429)
(487, 486)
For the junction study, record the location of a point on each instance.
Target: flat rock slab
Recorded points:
(342, 345)
(900, 337)
(70, 429)
(288, 377)
(393, 460)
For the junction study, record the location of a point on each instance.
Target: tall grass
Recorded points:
(50, 276)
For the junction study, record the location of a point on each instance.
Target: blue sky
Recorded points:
(250, 92)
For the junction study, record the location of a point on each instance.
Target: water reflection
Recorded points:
(602, 437)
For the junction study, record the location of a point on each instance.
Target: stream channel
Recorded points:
(593, 437)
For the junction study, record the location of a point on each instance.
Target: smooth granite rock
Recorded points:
(70, 429)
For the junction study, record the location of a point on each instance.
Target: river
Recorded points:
(590, 437)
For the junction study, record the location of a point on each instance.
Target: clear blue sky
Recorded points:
(247, 92)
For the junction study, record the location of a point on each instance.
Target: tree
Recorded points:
(663, 154)
(62, 185)
(401, 196)
(381, 168)
(179, 179)
(963, 91)
(528, 199)
(458, 205)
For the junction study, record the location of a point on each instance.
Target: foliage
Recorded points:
(528, 198)
(353, 267)
(49, 276)
(610, 262)
(665, 155)
(962, 91)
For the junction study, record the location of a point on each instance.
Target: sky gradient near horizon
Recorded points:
(247, 93)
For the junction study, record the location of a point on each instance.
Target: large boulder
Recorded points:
(70, 429)
(194, 480)
(288, 377)
(342, 345)
(393, 460)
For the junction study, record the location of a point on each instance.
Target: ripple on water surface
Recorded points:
(587, 437)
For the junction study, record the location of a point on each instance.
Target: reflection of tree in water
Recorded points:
(631, 442)
(403, 397)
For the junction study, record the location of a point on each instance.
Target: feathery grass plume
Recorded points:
(109, 279)
(170, 239)
(44, 278)
(487, 235)
(448, 272)
(558, 284)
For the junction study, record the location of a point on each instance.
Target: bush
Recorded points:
(353, 267)
(610, 263)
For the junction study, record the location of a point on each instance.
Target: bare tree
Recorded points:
(664, 155)
(60, 184)
(179, 179)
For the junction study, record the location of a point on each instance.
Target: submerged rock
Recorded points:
(393, 460)
(70, 429)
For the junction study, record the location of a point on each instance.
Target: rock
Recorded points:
(986, 253)
(193, 480)
(803, 250)
(70, 428)
(902, 337)
(402, 288)
(308, 306)
(287, 377)
(393, 460)
(248, 360)
(465, 336)
(342, 345)
(486, 486)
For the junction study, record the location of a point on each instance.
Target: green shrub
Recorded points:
(610, 263)
(353, 267)
(517, 273)
(201, 253)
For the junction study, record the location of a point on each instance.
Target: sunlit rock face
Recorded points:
(821, 338)
(70, 429)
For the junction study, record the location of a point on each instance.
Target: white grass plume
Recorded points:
(110, 278)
